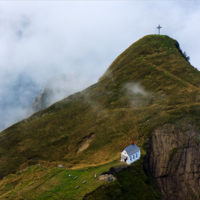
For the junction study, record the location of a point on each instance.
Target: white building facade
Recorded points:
(130, 154)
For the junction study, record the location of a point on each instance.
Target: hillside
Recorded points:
(147, 87)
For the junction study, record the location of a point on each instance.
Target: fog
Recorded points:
(42, 39)
(138, 96)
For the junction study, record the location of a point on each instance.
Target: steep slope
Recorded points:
(174, 160)
(149, 85)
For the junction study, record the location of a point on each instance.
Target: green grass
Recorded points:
(110, 109)
(39, 182)
(131, 184)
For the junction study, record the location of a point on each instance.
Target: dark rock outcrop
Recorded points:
(174, 161)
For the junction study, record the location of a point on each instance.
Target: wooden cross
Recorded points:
(159, 27)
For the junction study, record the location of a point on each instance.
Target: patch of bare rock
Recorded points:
(174, 161)
(84, 144)
(107, 178)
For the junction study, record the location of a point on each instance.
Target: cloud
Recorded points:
(136, 88)
(57, 88)
(137, 95)
(39, 40)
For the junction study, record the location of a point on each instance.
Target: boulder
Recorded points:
(107, 178)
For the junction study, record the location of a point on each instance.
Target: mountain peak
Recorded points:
(148, 46)
(148, 58)
(148, 87)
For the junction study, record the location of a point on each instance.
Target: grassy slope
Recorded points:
(109, 109)
(39, 182)
(131, 184)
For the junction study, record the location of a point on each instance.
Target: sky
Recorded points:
(43, 39)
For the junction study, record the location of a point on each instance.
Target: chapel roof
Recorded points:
(132, 149)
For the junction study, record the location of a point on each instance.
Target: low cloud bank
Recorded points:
(17, 96)
(57, 88)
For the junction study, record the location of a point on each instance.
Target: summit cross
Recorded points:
(159, 27)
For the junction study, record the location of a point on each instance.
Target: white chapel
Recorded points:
(130, 154)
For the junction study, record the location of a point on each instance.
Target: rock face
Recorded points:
(56, 89)
(40, 102)
(174, 161)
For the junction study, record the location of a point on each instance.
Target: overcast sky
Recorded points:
(41, 39)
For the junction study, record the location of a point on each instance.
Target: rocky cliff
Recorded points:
(43, 100)
(174, 161)
(56, 89)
